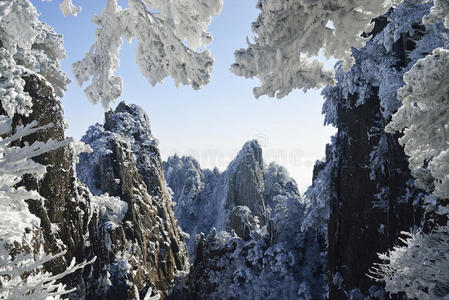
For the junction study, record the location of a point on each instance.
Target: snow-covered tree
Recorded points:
(22, 275)
(420, 268)
(289, 33)
(424, 120)
(169, 34)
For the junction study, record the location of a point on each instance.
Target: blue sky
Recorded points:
(213, 123)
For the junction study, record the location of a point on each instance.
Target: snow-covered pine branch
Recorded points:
(289, 33)
(68, 8)
(21, 277)
(27, 46)
(424, 120)
(438, 13)
(168, 34)
(420, 268)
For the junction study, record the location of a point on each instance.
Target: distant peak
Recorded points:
(251, 151)
(252, 145)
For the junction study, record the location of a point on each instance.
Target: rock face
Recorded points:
(146, 247)
(206, 198)
(68, 221)
(132, 232)
(245, 178)
(365, 179)
(258, 250)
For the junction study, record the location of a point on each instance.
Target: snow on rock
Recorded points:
(145, 246)
(112, 209)
(365, 181)
(251, 214)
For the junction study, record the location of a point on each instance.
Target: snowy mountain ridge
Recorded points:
(206, 198)
(245, 231)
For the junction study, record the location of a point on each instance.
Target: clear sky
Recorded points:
(213, 123)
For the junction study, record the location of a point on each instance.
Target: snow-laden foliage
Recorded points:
(439, 13)
(289, 33)
(168, 35)
(424, 120)
(278, 183)
(21, 276)
(318, 196)
(15, 162)
(278, 261)
(28, 46)
(420, 268)
(68, 8)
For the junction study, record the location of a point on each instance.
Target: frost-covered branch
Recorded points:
(15, 162)
(27, 46)
(68, 8)
(289, 33)
(424, 120)
(420, 268)
(168, 35)
(22, 276)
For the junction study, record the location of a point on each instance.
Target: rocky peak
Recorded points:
(128, 119)
(126, 163)
(233, 200)
(246, 258)
(206, 198)
(245, 178)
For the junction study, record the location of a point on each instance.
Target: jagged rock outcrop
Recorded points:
(245, 181)
(146, 248)
(68, 221)
(364, 189)
(206, 198)
(245, 258)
